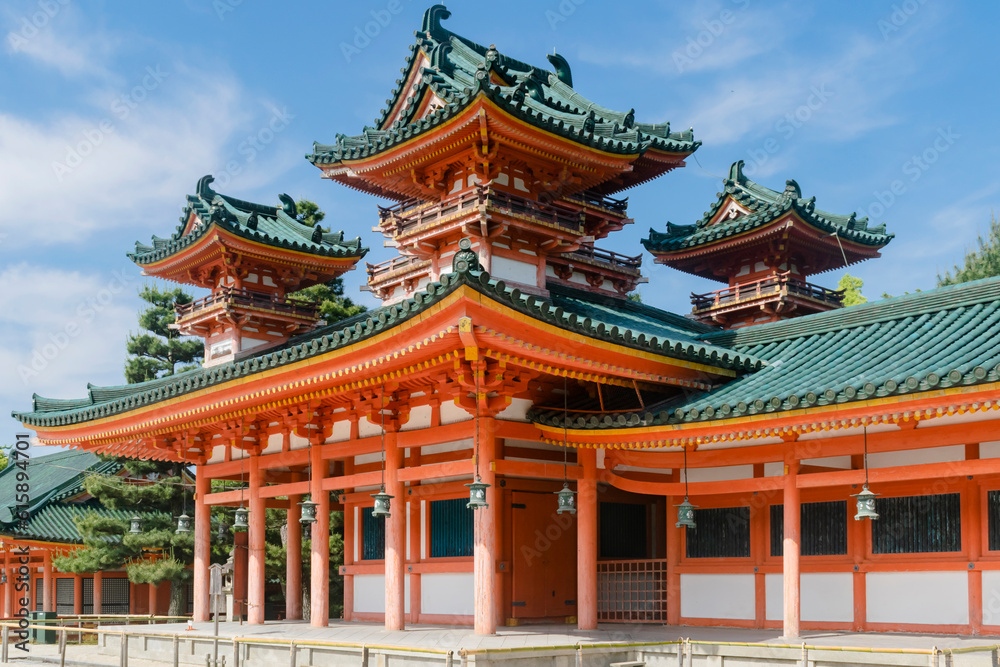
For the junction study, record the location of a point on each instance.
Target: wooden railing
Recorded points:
(632, 591)
(243, 297)
(607, 203)
(388, 266)
(410, 214)
(770, 286)
(608, 257)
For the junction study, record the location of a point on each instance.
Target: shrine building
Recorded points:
(513, 440)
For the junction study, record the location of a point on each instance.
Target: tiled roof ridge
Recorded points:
(243, 218)
(362, 326)
(883, 310)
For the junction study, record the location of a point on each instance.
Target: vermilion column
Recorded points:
(98, 593)
(319, 590)
(47, 586)
(8, 589)
(152, 599)
(77, 594)
(485, 538)
(586, 541)
(791, 548)
(202, 545)
(395, 538)
(255, 563)
(293, 560)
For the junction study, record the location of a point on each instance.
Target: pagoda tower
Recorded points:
(763, 244)
(251, 256)
(473, 143)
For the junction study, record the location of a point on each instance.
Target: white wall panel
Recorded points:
(826, 596)
(717, 596)
(447, 594)
(369, 593)
(927, 598)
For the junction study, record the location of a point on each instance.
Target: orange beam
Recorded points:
(537, 469)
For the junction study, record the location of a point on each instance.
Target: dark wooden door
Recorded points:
(544, 567)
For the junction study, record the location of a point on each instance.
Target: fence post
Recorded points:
(5, 634)
(177, 651)
(124, 650)
(291, 654)
(364, 656)
(62, 646)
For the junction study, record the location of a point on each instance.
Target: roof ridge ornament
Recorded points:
(466, 259)
(288, 205)
(561, 66)
(203, 189)
(431, 24)
(792, 190)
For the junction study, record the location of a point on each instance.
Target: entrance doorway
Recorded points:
(544, 563)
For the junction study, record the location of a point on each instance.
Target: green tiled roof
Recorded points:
(53, 478)
(942, 338)
(640, 328)
(57, 522)
(273, 225)
(460, 70)
(765, 206)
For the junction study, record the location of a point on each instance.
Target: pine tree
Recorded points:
(852, 290)
(158, 553)
(158, 349)
(333, 305)
(983, 262)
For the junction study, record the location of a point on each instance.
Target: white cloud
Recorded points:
(51, 36)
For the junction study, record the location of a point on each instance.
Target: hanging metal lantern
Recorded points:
(223, 533)
(381, 509)
(240, 522)
(567, 499)
(685, 514)
(307, 512)
(3, 577)
(135, 525)
(183, 524)
(477, 494)
(866, 504)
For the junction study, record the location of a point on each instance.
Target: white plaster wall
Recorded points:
(989, 450)
(420, 417)
(297, 441)
(456, 446)
(511, 269)
(928, 598)
(451, 413)
(369, 593)
(367, 429)
(826, 596)
(273, 445)
(717, 596)
(991, 597)
(843, 462)
(341, 431)
(451, 593)
(517, 411)
(916, 456)
(722, 474)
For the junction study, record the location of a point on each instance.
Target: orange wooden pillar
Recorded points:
(98, 593)
(674, 537)
(152, 598)
(77, 594)
(47, 587)
(971, 501)
(485, 536)
(255, 563)
(293, 560)
(202, 546)
(8, 589)
(791, 548)
(395, 538)
(319, 575)
(586, 541)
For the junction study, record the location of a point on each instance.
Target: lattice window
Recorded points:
(451, 528)
(88, 595)
(64, 596)
(993, 523)
(632, 591)
(114, 595)
(918, 524)
(38, 593)
(189, 592)
(823, 528)
(722, 532)
(372, 536)
(623, 530)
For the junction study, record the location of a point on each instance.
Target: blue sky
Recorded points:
(110, 112)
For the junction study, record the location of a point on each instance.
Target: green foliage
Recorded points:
(852, 290)
(157, 350)
(983, 262)
(4, 458)
(333, 305)
(634, 297)
(155, 490)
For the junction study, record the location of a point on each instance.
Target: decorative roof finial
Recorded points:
(561, 65)
(432, 22)
(203, 189)
(288, 205)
